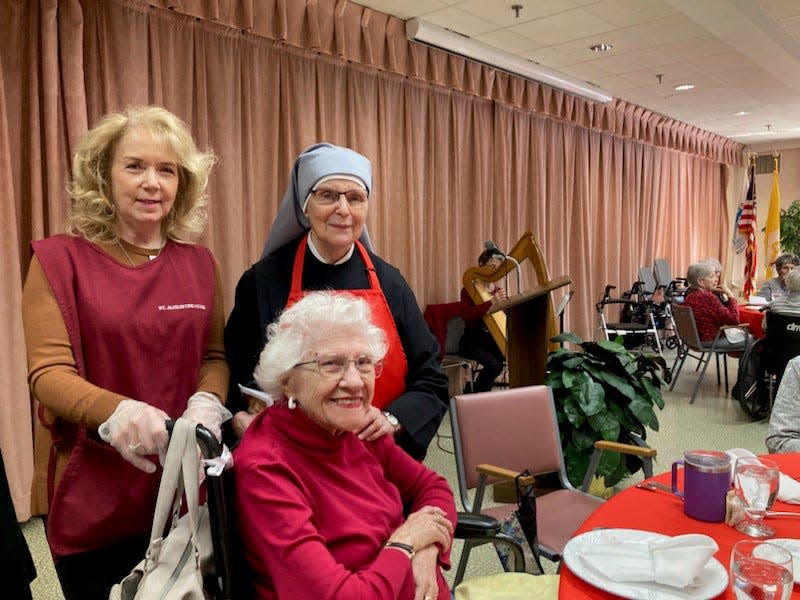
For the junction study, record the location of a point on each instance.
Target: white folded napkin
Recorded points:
(674, 562)
(788, 488)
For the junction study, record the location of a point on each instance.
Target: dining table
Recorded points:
(662, 512)
(753, 317)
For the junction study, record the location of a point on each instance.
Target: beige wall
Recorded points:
(789, 183)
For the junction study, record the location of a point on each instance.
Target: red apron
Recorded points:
(392, 381)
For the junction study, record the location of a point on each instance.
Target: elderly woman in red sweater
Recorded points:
(323, 507)
(713, 303)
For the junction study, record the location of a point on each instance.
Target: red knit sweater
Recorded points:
(315, 509)
(710, 313)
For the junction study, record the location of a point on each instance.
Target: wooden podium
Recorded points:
(529, 327)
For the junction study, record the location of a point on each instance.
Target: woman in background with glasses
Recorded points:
(319, 241)
(323, 510)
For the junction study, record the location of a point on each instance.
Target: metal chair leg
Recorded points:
(462, 563)
(700, 378)
(725, 363)
(682, 358)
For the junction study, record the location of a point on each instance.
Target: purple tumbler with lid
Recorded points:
(706, 481)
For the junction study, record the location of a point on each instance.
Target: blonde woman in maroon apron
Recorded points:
(319, 241)
(123, 325)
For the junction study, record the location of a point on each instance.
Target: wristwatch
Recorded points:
(392, 420)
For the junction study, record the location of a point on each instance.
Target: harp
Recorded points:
(523, 327)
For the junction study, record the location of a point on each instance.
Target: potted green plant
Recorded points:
(790, 228)
(602, 391)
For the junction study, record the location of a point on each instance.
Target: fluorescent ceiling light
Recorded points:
(684, 86)
(427, 33)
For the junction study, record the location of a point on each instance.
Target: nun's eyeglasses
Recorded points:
(334, 366)
(355, 198)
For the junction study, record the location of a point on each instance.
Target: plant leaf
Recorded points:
(581, 440)
(644, 412)
(576, 463)
(617, 474)
(573, 411)
(653, 392)
(591, 397)
(614, 380)
(568, 378)
(573, 362)
(609, 463)
(606, 425)
(567, 336)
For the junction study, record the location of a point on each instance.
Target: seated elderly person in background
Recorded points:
(789, 304)
(776, 287)
(324, 510)
(784, 423)
(713, 304)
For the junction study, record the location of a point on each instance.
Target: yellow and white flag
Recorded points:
(772, 230)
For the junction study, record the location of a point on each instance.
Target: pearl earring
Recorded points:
(292, 403)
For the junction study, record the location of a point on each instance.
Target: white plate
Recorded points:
(793, 547)
(710, 582)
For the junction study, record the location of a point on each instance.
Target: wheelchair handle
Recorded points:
(209, 446)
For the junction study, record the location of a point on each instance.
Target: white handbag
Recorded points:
(175, 563)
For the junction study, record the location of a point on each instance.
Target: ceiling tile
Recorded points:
(405, 9)
(780, 9)
(551, 57)
(507, 40)
(563, 27)
(459, 21)
(500, 13)
(625, 13)
(792, 25)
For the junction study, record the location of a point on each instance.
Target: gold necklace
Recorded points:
(125, 252)
(128, 256)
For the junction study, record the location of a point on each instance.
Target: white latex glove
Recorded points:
(136, 429)
(206, 409)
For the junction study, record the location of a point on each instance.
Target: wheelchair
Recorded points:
(231, 578)
(761, 367)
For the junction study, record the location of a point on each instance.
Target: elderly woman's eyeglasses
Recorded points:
(335, 367)
(355, 198)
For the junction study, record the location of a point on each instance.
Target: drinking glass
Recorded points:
(756, 483)
(761, 570)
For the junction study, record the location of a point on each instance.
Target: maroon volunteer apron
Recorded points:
(140, 332)
(392, 381)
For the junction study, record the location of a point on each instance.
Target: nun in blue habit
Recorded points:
(319, 241)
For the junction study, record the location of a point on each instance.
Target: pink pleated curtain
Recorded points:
(461, 153)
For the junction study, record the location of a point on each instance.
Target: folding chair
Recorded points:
(499, 434)
(648, 279)
(447, 326)
(662, 271)
(683, 317)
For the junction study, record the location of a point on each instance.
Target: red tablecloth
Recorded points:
(753, 317)
(661, 512)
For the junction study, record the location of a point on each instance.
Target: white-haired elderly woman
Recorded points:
(713, 303)
(319, 241)
(324, 510)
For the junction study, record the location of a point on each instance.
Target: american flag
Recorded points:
(746, 229)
